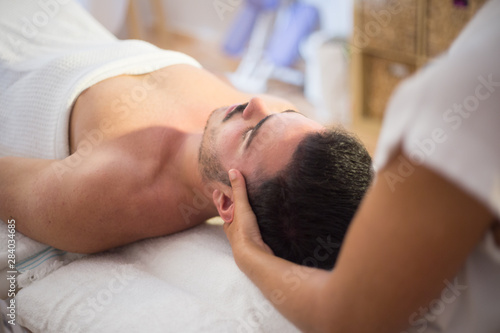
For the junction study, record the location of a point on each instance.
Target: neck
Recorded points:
(186, 162)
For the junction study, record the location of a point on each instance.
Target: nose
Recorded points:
(256, 108)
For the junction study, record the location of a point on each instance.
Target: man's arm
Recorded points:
(17, 177)
(402, 248)
(80, 204)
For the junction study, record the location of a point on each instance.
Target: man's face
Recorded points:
(252, 139)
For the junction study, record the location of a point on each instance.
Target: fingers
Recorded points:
(240, 196)
(243, 232)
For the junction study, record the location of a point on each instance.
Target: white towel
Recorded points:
(50, 51)
(186, 282)
(33, 260)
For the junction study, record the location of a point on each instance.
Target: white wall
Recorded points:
(110, 13)
(205, 19)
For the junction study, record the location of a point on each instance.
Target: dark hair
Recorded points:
(304, 211)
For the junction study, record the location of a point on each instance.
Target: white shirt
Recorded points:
(447, 117)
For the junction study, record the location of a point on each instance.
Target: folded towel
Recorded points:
(186, 282)
(33, 260)
(51, 51)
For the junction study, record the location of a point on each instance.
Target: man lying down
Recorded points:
(106, 142)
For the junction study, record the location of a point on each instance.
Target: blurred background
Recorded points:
(338, 61)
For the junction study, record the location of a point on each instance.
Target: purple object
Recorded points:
(301, 20)
(242, 28)
(461, 3)
(265, 4)
(240, 32)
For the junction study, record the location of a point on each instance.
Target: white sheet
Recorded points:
(186, 282)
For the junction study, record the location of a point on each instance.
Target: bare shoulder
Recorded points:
(97, 198)
(118, 188)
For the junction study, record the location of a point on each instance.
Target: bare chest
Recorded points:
(180, 97)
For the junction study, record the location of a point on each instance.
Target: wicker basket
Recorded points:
(389, 25)
(413, 32)
(445, 20)
(381, 77)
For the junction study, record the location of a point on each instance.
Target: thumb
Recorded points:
(240, 196)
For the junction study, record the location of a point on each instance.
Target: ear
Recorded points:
(224, 203)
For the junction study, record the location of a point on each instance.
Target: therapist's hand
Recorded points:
(243, 232)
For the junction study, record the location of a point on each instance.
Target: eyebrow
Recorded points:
(259, 125)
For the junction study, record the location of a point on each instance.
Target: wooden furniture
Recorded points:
(391, 40)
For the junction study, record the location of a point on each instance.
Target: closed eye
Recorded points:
(246, 131)
(255, 130)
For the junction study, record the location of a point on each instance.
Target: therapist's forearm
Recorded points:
(296, 291)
